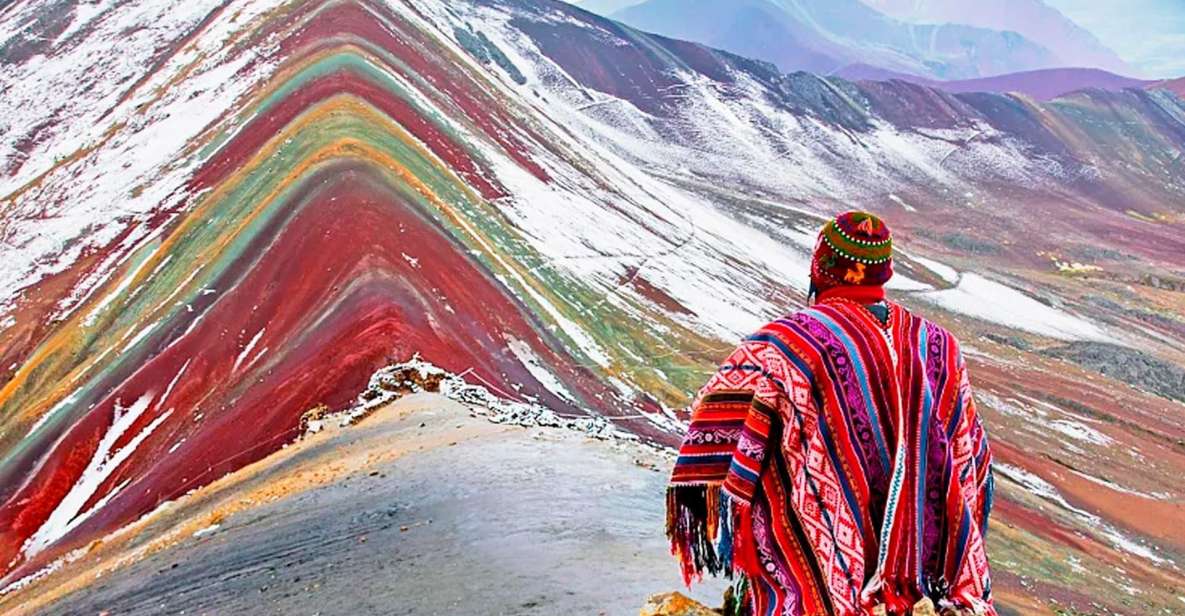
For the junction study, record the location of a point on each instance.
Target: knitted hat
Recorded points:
(855, 249)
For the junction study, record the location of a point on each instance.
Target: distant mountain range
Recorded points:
(1023, 46)
(824, 37)
(1034, 19)
(1043, 85)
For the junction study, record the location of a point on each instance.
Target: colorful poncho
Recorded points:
(837, 463)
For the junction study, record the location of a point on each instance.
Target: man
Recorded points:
(835, 463)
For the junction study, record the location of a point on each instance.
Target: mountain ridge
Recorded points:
(1176, 86)
(833, 35)
(1033, 19)
(1043, 84)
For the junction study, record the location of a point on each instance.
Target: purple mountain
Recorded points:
(825, 36)
(605, 7)
(1172, 85)
(1033, 19)
(1043, 85)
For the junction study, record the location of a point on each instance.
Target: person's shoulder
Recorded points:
(778, 328)
(934, 330)
(782, 337)
(791, 325)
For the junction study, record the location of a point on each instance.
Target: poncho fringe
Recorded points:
(708, 532)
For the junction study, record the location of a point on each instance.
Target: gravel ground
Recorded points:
(510, 521)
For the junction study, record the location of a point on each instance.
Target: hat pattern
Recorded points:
(856, 248)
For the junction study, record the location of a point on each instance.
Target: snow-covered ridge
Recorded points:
(733, 134)
(109, 144)
(418, 376)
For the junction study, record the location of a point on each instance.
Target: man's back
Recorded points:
(848, 468)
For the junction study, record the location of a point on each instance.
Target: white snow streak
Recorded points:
(538, 369)
(69, 514)
(1048, 492)
(247, 349)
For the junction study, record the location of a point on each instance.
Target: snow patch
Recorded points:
(128, 278)
(944, 271)
(535, 366)
(899, 201)
(247, 349)
(69, 514)
(982, 298)
(209, 530)
(1078, 431)
(415, 375)
(63, 403)
(1118, 488)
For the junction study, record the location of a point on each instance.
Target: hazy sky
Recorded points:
(1149, 34)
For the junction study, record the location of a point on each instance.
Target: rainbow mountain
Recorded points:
(220, 216)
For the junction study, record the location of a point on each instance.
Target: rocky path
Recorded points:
(445, 514)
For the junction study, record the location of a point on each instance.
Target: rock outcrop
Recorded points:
(675, 604)
(1134, 367)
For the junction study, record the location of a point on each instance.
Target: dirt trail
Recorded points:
(421, 509)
